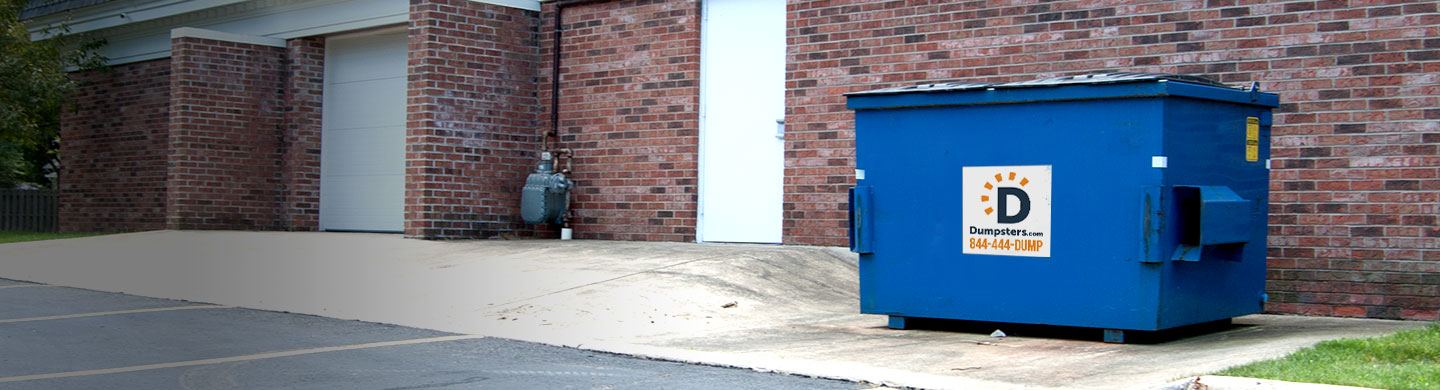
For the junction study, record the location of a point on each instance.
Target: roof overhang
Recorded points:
(140, 30)
(115, 14)
(92, 15)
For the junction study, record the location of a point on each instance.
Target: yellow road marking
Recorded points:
(232, 359)
(106, 313)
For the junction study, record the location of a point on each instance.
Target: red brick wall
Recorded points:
(226, 121)
(1354, 189)
(629, 107)
(113, 148)
(470, 131)
(300, 151)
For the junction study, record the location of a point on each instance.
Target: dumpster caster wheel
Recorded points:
(897, 322)
(1115, 336)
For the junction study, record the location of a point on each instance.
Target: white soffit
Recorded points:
(119, 13)
(140, 30)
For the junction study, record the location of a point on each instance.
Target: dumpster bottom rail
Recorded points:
(1115, 336)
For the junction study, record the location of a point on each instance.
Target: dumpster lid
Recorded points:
(1094, 78)
(937, 87)
(1112, 78)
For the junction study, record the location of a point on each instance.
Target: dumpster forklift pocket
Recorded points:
(1214, 223)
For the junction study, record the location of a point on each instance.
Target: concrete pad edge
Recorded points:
(1215, 382)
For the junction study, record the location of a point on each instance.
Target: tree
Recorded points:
(34, 87)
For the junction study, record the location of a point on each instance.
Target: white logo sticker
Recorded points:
(1006, 210)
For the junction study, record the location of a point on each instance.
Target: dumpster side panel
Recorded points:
(1101, 157)
(1206, 142)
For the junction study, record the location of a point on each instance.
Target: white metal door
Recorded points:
(362, 145)
(742, 106)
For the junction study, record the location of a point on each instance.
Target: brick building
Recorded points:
(716, 121)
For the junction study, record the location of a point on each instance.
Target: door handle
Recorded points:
(780, 128)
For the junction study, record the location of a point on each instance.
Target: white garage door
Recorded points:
(362, 153)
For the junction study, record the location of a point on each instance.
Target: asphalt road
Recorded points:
(65, 338)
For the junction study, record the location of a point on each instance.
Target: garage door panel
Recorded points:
(336, 157)
(365, 57)
(362, 220)
(370, 103)
(356, 210)
(382, 188)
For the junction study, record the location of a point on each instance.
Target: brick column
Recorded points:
(470, 128)
(226, 123)
(300, 160)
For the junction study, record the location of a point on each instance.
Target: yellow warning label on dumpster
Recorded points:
(1252, 139)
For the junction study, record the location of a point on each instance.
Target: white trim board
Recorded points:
(528, 5)
(191, 32)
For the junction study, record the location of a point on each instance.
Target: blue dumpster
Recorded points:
(1120, 201)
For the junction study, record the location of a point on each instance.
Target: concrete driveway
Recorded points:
(779, 308)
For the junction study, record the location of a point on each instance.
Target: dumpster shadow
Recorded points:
(1072, 332)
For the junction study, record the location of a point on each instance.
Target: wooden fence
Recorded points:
(29, 210)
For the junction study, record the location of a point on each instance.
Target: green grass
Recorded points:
(1408, 360)
(9, 236)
